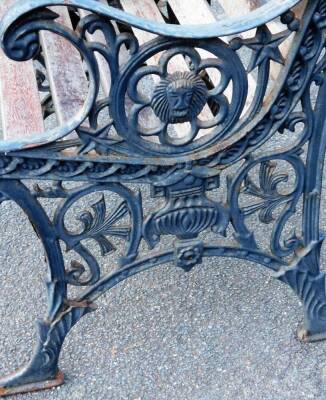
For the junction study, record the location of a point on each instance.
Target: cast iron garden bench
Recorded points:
(219, 106)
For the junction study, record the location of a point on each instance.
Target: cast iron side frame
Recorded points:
(182, 171)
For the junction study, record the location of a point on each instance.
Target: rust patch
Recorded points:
(33, 387)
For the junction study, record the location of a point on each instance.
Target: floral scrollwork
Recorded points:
(97, 225)
(267, 191)
(270, 198)
(179, 96)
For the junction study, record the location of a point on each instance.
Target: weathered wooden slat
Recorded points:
(243, 7)
(65, 71)
(21, 112)
(146, 9)
(185, 15)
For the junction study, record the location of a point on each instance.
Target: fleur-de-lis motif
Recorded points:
(99, 225)
(267, 191)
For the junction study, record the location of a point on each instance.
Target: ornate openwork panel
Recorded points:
(225, 122)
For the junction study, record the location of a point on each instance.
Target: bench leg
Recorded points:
(311, 290)
(42, 372)
(304, 275)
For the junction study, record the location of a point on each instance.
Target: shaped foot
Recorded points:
(6, 388)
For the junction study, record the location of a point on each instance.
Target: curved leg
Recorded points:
(304, 275)
(42, 371)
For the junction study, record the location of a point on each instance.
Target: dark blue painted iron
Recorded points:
(181, 170)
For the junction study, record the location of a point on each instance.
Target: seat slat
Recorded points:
(65, 70)
(21, 111)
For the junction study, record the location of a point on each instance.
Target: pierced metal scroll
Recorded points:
(206, 150)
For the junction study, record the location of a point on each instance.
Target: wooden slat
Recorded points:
(192, 11)
(148, 9)
(21, 112)
(65, 71)
(185, 15)
(243, 7)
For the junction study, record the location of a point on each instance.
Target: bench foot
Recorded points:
(42, 371)
(306, 280)
(29, 387)
(307, 337)
(314, 327)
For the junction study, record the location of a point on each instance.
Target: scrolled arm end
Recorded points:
(19, 37)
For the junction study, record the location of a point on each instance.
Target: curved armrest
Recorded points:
(224, 27)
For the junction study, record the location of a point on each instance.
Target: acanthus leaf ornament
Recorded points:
(100, 225)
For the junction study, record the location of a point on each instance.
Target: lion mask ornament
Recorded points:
(179, 97)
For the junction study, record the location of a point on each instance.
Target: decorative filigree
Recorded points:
(265, 47)
(297, 79)
(179, 169)
(95, 139)
(267, 191)
(187, 212)
(179, 97)
(271, 198)
(97, 226)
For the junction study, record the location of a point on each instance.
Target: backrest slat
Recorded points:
(65, 71)
(21, 111)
